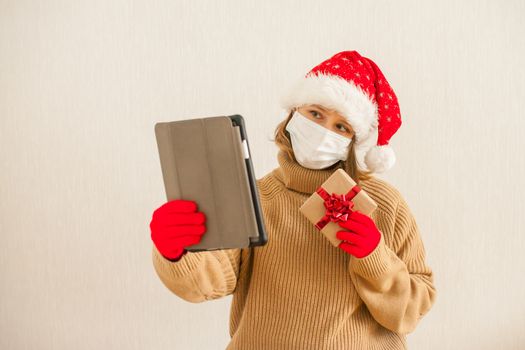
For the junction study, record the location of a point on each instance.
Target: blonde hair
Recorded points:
(282, 140)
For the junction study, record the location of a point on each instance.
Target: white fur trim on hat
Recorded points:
(334, 92)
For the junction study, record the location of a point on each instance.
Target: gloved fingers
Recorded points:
(185, 241)
(359, 217)
(177, 231)
(176, 206)
(356, 251)
(352, 225)
(181, 230)
(174, 248)
(349, 248)
(351, 237)
(179, 239)
(174, 219)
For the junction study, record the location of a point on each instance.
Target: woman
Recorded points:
(299, 291)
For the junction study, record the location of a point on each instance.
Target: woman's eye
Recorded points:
(341, 127)
(314, 113)
(344, 128)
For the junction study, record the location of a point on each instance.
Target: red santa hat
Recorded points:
(355, 87)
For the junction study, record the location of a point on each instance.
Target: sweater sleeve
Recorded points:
(395, 283)
(199, 276)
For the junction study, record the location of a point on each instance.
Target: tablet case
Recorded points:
(207, 160)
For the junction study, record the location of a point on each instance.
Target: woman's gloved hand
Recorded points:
(176, 225)
(363, 235)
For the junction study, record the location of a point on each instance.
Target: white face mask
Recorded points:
(315, 146)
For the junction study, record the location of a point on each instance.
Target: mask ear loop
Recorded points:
(352, 144)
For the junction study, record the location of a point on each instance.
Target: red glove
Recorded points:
(363, 235)
(176, 225)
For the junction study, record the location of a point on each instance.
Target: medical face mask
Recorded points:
(315, 146)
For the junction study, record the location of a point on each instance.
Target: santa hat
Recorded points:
(355, 87)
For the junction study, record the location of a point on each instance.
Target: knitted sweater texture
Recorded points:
(299, 291)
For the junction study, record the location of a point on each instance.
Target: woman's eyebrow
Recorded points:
(321, 108)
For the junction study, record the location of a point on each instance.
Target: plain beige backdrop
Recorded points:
(82, 84)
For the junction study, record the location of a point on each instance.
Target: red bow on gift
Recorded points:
(338, 206)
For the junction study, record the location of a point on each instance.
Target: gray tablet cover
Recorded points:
(204, 160)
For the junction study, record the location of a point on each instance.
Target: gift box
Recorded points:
(333, 202)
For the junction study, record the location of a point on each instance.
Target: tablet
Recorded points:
(207, 160)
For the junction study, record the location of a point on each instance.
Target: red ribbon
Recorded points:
(338, 206)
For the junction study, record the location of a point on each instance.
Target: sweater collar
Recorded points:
(298, 178)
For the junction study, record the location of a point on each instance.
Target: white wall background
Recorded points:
(83, 82)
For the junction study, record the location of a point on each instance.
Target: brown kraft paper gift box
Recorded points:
(333, 189)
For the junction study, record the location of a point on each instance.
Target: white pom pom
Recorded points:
(380, 158)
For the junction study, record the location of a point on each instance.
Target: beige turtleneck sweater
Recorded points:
(299, 291)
